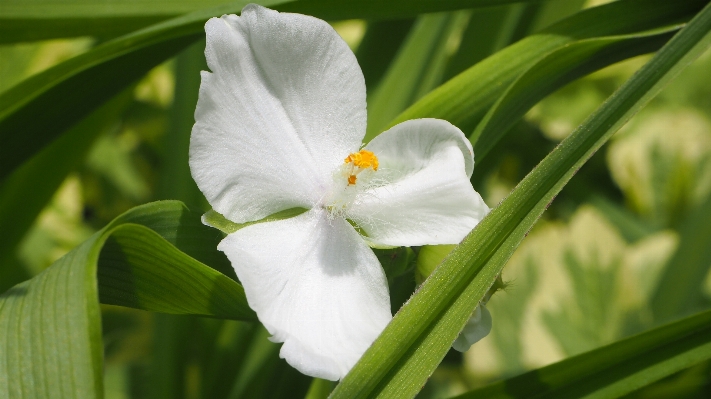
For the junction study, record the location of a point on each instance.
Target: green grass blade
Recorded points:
(50, 330)
(421, 54)
(464, 99)
(139, 269)
(40, 20)
(376, 9)
(51, 334)
(681, 284)
(68, 92)
(555, 70)
(175, 180)
(379, 46)
(410, 348)
(25, 193)
(613, 370)
(488, 31)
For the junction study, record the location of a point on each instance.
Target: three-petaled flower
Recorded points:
(279, 124)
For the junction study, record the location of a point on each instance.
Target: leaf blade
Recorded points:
(555, 70)
(407, 352)
(27, 20)
(50, 324)
(464, 99)
(616, 369)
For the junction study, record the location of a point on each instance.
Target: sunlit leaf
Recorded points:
(50, 324)
(25, 193)
(465, 99)
(554, 71)
(613, 370)
(681, 284)
(36, 20)
(416, 70)
(407, 352)
(68, 92)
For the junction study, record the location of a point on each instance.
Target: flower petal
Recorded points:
(316, 286)
(478, 326)
(424, 195)
(284, 104)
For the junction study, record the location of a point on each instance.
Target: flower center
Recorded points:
(357, 167)
(358, 162)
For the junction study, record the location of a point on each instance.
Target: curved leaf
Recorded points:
(681, 284)
(139, 269)
(555, 70)
(68, 92)
(50, 324)
(40, 20)
(414, 71)
(25, 193)
(22, 20)
(464, 99)
(412, 345)
(613, 370)
(51, 334)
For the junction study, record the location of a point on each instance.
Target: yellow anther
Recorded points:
(363, 159)
(351, 180)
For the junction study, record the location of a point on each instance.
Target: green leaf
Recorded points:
(416, 70)
(39, 20)
(681, 284)
(555, 70)
(264, 375)
(379, 46)
(50, 324)
(464, 99)
(25, 193)
(320, 389)
(216, 220)
(68, 92)
(36, 20)
(613, 370)
(412, 345)
(377, 9)
(488, 31)
(51, 333)
(175, 181)
(227, 356)
(139, 269)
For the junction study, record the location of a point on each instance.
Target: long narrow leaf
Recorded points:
(465, 99)
(681, 283)
(68, 92)
(613, 370)
(26, 192)
(50, 324)
(422, 52)
(34, 20)
(554, 71)
(407, 352)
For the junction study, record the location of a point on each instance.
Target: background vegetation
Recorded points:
(96, 107)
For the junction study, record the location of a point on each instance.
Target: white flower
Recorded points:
(279, 125)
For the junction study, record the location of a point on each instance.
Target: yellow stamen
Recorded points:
(363, 159)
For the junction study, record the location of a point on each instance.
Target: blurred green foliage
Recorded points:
(598, 268)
